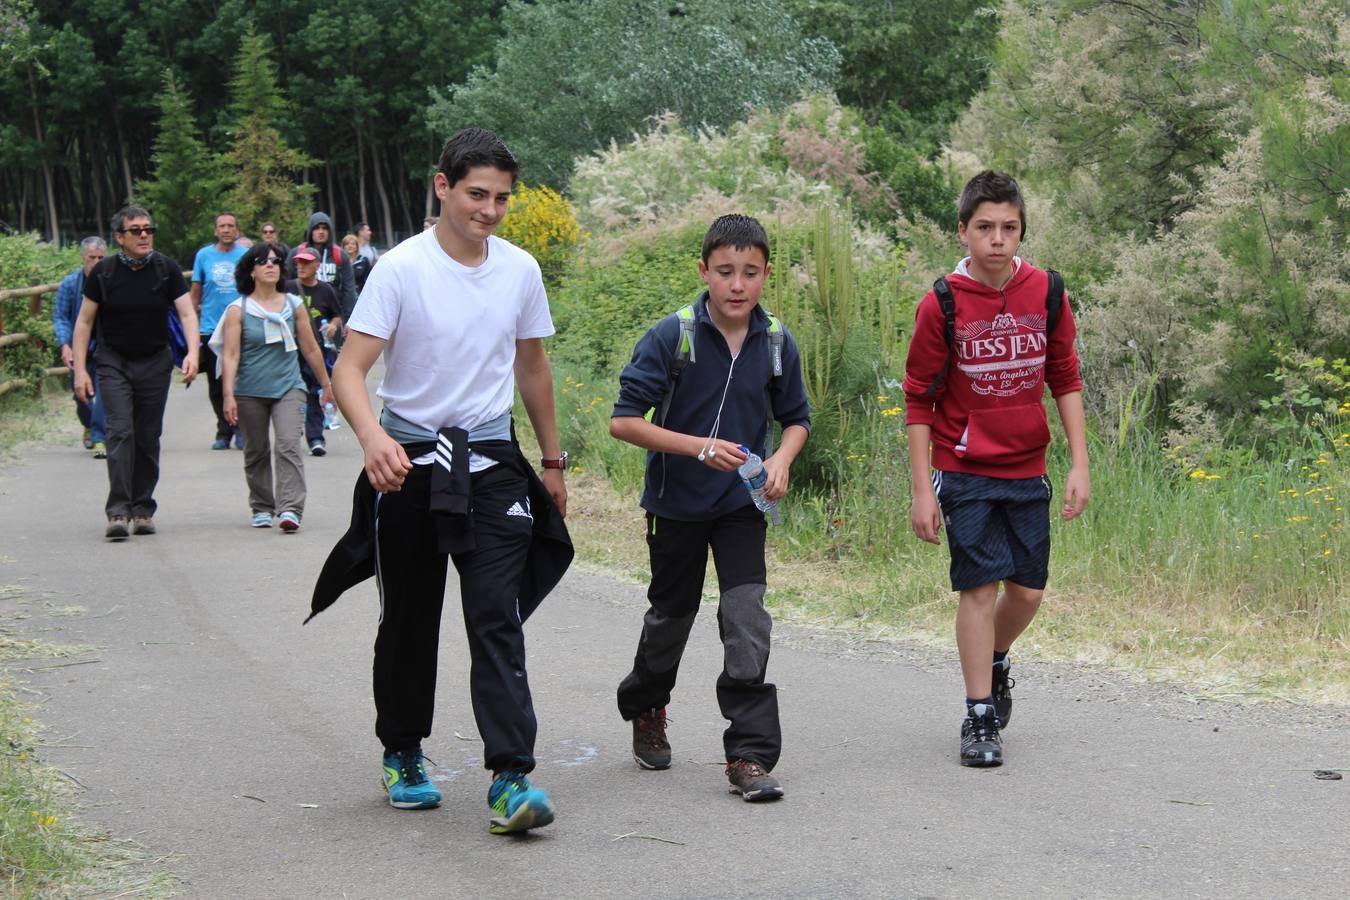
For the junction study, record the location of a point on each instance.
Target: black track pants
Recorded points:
(411, 575)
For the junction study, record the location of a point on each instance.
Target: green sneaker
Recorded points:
(405, 778)
(518, 804)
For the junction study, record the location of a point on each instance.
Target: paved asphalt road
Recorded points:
(215, 731)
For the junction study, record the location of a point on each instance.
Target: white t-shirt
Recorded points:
(451, 330)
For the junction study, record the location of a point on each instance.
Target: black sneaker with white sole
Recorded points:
(980, 741)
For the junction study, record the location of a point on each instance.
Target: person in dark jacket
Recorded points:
(695, 499)
(127, 299)
(335, 267)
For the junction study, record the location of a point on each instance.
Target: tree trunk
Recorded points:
(122, 155)
(96, 173)
(347, 216)
(53, 227)
(384, 195)
(396, 173)
(330, 200)
(361, 178)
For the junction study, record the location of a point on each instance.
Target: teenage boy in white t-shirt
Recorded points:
(460, 317)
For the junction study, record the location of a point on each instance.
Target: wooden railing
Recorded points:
(34, 295)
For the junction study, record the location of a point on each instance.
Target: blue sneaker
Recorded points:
(220, 443)
(518, 804)
(238, 441)
(405, 779)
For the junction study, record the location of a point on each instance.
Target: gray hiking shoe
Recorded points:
(751, 781)
(980, 742)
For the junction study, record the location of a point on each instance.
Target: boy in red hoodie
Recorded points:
(978, 405)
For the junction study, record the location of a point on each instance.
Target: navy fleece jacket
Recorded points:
(681, 487)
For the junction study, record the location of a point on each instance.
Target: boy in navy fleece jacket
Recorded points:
(978, 405)
(694, 499)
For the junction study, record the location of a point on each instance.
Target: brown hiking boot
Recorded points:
(751, 781)
(142, 525)
(651, 750)
(117, 528)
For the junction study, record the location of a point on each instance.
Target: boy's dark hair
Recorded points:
(243, 270)
(735, 231)
(470, 147)
(990, 187)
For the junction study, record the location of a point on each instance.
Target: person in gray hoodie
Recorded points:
(334, 266)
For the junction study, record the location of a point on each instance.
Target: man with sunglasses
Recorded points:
(126, 303)
(270, 235)
(213, 290)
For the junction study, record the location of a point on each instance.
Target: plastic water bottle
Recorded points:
(327, 337)
(331, 420)
(754, 477)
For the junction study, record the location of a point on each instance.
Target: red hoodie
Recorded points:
(987, 413)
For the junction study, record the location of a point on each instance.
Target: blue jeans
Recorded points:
(91, 414)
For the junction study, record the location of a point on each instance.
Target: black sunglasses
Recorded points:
(137, 230)
(268, 261)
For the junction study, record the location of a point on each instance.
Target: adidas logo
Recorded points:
(518, 510)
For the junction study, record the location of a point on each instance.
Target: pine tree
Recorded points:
(262, 164)
(185, 193)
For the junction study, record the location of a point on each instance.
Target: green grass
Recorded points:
(25, 418)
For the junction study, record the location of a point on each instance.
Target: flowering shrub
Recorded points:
(542, 221)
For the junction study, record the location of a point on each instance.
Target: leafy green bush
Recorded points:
(26, 260)
(609, 299)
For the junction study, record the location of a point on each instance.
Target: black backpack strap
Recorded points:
(1054, 299)
(947, 302)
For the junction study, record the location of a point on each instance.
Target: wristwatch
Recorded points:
(559, 463)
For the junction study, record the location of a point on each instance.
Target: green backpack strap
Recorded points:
(776, 361)
(683, 356)
(776, 344)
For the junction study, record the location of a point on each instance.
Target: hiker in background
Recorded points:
(261, 338)
(213, 289)
(334, 266)
(325, 316)
(69, 297)
(360, 264)
(127, 299)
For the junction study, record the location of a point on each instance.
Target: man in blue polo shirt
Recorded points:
(212, 290)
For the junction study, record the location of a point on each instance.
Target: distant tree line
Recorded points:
(96, 95)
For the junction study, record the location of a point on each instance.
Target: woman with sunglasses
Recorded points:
(259, 347)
